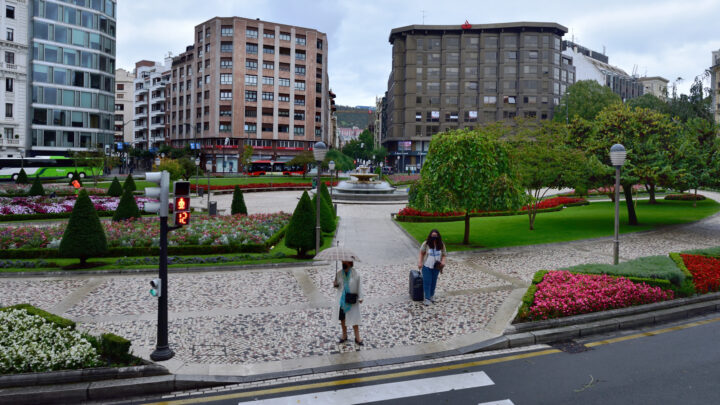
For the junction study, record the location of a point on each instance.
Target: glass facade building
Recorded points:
(73, 75)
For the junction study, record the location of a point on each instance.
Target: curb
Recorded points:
(79, 376)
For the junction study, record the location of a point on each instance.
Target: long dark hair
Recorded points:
(439, 242)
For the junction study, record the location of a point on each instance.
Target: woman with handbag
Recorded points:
(348, 299)
(432, 262)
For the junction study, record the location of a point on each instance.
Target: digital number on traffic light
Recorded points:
(182, 218)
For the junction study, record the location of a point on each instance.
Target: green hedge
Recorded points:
(529, 298)
(654, 267)
(408, 218)
(712, 252)
(52, 318)
(688, 287)
(116, 348)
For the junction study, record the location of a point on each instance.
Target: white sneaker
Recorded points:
(426, 302)
(432, 299)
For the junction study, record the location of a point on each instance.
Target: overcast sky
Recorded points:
(659, 38)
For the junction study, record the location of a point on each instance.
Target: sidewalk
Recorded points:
(276, 320)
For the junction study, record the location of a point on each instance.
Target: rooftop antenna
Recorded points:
(603, 49)
(423, 16)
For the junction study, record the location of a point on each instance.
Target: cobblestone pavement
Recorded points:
(251, 321)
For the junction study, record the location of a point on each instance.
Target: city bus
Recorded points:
(263, 167)
(46, 167)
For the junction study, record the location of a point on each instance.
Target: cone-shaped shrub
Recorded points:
(84, 236)
(327, 219)
(115, 190)
(129, 183)
(22, 177)
(325, 194)
(238, 202)
(37, 188)
(300, 234)
(127, 208)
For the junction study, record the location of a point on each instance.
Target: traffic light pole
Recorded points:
(162, 349)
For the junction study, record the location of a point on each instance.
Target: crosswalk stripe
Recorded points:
(384, 392)
(502, 402)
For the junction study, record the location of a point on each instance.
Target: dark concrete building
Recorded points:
(456, 76)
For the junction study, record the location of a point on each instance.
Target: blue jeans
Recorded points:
(430, 277)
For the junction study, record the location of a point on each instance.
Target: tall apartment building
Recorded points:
(592, 65)
(124, 124)
(150, 103)
(655, 85)
(250, 82)
(13, 77)
(715, 84)
(73, 75)
(454, 76)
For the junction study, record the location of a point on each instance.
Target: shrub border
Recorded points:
(52, 318)
(415, 218)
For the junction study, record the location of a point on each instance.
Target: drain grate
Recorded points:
(570, 346)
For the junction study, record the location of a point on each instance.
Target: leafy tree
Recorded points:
(129, 183)
(115, 189)
(694, 159)
(584, 99)
(651, 102)
(94, 159)
(173, 167)
(127, 208)
(37, 188)
(246, 158)
(22, 177)
(188, 168)
(363, 147)
(694, 105)
(303, 159)
(326, 198)
(467, 170)
(300, 234)
(84, 236)
(238, 202)
(327, 218)
(544, 161)
(342, 161)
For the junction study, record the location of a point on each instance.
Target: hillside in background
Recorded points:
(349, 117)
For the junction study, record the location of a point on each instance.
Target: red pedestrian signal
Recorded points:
(182, 203)
(182, 218)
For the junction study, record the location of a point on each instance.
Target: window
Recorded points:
(284, 67)
(490, 86)
(251, 64)
(453, 58)
(251, 33)
(270, 50)
(250, 95)
(266, 95)
(207, 48)
(10, 34)
(9, 109)
(225, 127)
(299, 130)
(268, 34)
(251, 49)
(226, 31)
(225, 95)
(299, 85)
(509, 70)
(9, 12)
(227, 47)
(532, 54)
(509, 99)
(9, 84)
(299, 100)
(299, 116)
(226, 63)
(531, 40)
(251, 80)
(284, 82)
(225, 78)
(10, 57)
(268, 80)
(490, 100)
(284, 97)
(300, 40)
(450, 86)
(207, 81)
(451, 73)
(529, 99)
(490, 57)
(471, 85)
(300, 55)
(268, 65)
(284, 36)
(250, 127)
(491, 42)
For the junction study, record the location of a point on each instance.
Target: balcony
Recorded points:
(9, 66)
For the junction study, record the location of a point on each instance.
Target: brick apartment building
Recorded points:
(250, 82)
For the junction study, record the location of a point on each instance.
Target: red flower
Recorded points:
(705, 271)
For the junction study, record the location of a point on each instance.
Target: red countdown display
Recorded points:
(182, 218)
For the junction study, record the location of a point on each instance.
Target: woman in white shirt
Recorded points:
(432, 261)
(347, 300)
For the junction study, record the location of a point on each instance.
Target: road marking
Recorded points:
(503, 402)
(652, 332)
(386, 392)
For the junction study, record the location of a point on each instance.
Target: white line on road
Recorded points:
(503, 402)
(384, 392)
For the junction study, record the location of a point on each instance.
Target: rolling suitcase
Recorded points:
(416, 285)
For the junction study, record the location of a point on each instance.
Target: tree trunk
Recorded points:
(466, 238)
(83, 260)
(632, 217)
(532, 212)
(651, 190)
(695, 199)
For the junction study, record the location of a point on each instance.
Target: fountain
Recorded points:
(365, 187)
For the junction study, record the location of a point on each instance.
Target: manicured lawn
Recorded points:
(590, 221)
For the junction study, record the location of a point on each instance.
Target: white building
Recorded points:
(124, 104)
(151, 79)
(655, 85)
(13, 77)
(715, 84)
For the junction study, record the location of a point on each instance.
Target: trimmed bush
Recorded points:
(661, 267)
(327, 219)
(684, 197)
(127, 207)
(116, 348)
(84, 236)
(22, 177)
(713, 252)
(300, 234)
(238, 203)
(129, 183)
(37, 188)
(52, 318)
(115, 189)
(325, 194)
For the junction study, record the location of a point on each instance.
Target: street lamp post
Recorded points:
(197, 175)
(331, 165)
(208, 168)
(617, 157)
(319, 151)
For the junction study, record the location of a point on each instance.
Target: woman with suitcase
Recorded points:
(432, 262)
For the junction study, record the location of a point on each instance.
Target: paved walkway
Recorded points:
(251, 322)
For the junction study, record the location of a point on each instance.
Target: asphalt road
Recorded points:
(674, 364)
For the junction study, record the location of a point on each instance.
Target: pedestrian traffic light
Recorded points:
(156, 290)
(182, 202)
(161, 193)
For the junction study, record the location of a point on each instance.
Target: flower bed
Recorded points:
(45, 205)
(193, 187)
(61, 189)
(705, 271)
(217, 231)
(685, 197)
(410, 214)
(562, 293)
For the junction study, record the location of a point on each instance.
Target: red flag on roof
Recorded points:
(466, 26)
